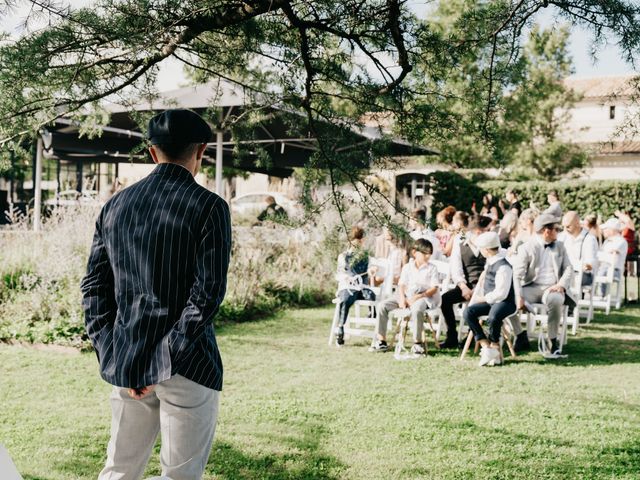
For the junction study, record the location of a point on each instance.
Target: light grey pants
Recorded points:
(184, 412)
(417, 316)
(554, 301)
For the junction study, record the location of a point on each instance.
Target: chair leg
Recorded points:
(507, 338)
(467, 344)
(334, 324)
(433, 332)
(565, 321)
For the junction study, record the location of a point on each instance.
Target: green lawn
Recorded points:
(292, 407)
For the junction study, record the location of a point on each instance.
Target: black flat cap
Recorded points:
(178, 126)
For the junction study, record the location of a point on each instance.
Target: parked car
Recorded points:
(254, 203)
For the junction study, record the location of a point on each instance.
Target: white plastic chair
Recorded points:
(537, 316)
(584, 301)
(361, 322)
(402, 315)
(608, 281)
(8, 470)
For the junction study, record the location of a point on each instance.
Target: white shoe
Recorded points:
(418, 350)
(489, 356)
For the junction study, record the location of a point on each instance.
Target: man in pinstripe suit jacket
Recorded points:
(155, 279)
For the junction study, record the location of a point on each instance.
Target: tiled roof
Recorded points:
(615, 148)
(605, 87)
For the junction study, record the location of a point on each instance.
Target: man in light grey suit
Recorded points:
(542, 273)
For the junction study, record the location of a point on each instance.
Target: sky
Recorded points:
(608, 62)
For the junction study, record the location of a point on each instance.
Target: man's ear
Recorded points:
(200, 151)
(154, 154)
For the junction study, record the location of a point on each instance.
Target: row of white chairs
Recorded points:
(362, 320)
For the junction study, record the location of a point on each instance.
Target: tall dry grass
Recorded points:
(272, 267)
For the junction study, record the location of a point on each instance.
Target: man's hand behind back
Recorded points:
(140, 393)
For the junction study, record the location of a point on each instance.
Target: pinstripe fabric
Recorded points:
(155, 279)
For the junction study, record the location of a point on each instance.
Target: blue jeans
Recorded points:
(348, 298)
(496, 313)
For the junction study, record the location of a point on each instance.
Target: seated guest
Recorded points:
(418, 228)
(383, 243)
(489, 207)
(513, 204)
(444, 220)
(466, 265)
(581, 246)
(459, 226)
(494, 297)
(554, 208)
(542, 273)
(417, 290)
(352, 278)
(525, 229)
(396, 257)
(590, 222)
(628, 230)
(507, 228)
(615, 244)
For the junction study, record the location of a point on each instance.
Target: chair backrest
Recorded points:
(608, 259)
(444, 273)
(385, 272)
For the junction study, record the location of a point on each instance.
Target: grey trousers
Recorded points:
(554, 301)
(184, 412)
(417, 316)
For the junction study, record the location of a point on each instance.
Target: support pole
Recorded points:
(37, 194)
(219, 163)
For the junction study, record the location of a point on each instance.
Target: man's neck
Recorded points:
(189, 166)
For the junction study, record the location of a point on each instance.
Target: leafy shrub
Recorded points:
(599, 197)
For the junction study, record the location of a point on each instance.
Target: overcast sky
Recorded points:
(609, 59)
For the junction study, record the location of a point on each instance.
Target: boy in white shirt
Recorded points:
(418, 290)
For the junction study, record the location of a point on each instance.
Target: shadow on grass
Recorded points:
(89, 455)
(587, 351)
(303, 460)
(614, 461)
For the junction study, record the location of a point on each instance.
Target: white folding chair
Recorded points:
(537, 316)
(8, 469)
(402, 315)
(584, 301)
(607, 282)
(361, 321)
(505, 337)
(444, 273)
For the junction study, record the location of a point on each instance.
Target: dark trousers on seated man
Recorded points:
(495, 313)
(348, 298)
(451, 298)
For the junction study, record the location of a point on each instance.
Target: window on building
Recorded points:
(612, 112)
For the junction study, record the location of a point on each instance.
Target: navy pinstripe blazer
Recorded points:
(156, 276)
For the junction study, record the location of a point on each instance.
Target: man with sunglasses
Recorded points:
(543, 273)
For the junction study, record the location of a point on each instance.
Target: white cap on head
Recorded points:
(612, 224)
(487, 240)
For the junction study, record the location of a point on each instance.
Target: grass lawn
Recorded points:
(292, 407)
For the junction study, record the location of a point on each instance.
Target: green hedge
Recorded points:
(449, 188)
(602, 197)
